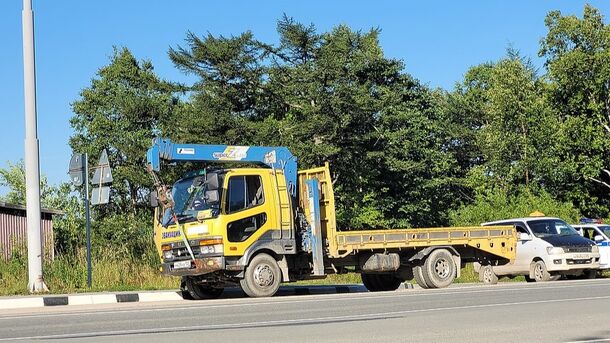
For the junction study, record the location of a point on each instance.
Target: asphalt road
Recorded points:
(563, 311)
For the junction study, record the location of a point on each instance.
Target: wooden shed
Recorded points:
(13, 230)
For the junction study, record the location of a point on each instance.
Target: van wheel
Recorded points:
(590, 274)
(487, 275)
(201, 292)
(439, 269)
(540, 274)
(262, 277)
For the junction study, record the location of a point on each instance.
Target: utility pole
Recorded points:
(32, 169)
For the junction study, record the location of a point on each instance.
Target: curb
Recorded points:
(156, 296)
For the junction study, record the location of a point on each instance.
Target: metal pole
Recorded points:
(88, 220)
(32, 171)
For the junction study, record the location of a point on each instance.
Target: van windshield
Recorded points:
(550, 227)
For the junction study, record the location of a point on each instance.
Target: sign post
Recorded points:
(79, 175)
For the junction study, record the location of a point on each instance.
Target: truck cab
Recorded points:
(547, 249)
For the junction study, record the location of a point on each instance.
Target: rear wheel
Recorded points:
(487, 275)
(262, 277)
(201, 292)
(439, 270)
(419, 277)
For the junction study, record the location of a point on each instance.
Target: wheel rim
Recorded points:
(263, 275)
(441, 267)
(538, 271)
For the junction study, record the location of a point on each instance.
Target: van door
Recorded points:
(526, 251)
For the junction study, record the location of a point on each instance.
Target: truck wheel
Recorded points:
(388, 282)
(439, 269)
(262, 277)
(419, 277)
(201, 292)
(487, 275)
(369, 282)
(186, 295)
(539, 272)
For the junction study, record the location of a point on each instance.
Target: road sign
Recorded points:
(102, 178)
(100, 195)
(77, 169)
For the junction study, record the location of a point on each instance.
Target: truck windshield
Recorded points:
(549, 227)
(189, 199)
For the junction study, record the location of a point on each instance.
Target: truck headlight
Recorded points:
(595, 249)
(168, 255)
(211, 249)
(554, 250)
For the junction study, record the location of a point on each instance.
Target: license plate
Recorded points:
(182, 264)
(580, 257)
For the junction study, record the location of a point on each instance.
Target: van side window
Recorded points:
(521, 229)
(244, 192)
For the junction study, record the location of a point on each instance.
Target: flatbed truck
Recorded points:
(261, 222)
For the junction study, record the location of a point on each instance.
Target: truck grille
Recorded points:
(577, 249)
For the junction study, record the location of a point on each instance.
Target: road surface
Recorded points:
(563, 311)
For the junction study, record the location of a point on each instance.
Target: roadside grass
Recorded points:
(68, 274)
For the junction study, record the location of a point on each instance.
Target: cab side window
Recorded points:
(244, 192)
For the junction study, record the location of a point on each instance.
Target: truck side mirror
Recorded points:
(154, 200)
(598, 238)
(212, 197)
(212, 181)
(524, 236)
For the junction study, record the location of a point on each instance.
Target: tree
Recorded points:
(329, 96)
(577, 52)
(121, 111)
(68, 227)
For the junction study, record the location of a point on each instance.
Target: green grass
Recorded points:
(68, 274)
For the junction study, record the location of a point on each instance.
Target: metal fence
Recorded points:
(13, 231)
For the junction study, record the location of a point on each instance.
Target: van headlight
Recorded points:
(594, 249)
(554, 250)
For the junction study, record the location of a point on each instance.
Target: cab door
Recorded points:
(247, 210)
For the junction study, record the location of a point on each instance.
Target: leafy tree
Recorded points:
(329, 96)
(69, 226)
(577, 52)
(121, 111)
(496, 204)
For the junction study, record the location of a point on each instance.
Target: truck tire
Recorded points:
(419, 277)
(540, 273)
(487, 275)
(201, 292)
(368, 282)
(380, 282)
(262, 277)
(439, 269)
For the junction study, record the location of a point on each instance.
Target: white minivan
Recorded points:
(547, 248)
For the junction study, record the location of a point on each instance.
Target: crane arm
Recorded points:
(272, 157)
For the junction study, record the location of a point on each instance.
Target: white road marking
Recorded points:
(239, 302)
(381, 315)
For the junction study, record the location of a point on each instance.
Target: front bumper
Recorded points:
(199, 266)
(572, 261)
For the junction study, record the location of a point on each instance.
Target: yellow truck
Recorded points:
(262, 222)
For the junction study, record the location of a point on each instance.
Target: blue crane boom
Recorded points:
(272, 157)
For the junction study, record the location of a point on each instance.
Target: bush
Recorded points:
(497, 204)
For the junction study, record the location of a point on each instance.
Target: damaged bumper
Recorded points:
(198, 266)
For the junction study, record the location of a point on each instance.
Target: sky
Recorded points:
(437, 40)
